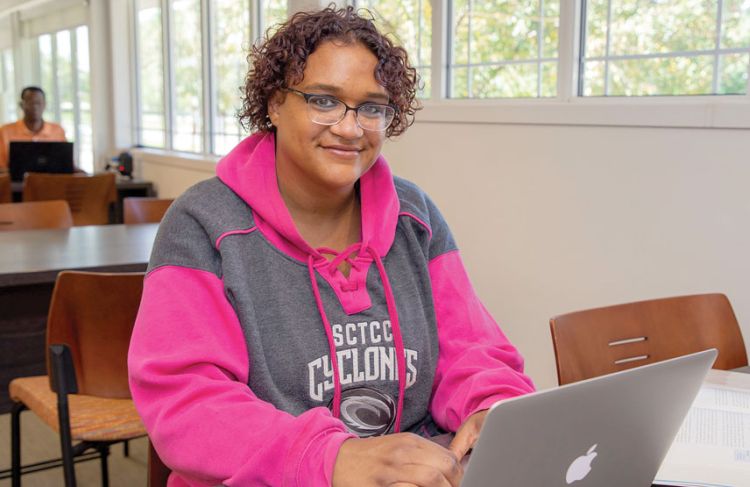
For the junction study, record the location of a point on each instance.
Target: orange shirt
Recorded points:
(18, 131)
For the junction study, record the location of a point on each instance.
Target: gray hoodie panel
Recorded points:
(272, 295)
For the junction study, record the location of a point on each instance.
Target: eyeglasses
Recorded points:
(328, 110)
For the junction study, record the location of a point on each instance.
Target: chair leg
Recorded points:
(104, 452)
(68, 462)
(126, 448)
(15, 440)
(66, 446)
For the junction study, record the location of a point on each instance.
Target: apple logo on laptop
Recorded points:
(581, 466)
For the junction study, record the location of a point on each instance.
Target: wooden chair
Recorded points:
(89, 197)
(34, 215)
(6, 190)
(144, 210)
(85, 394)
(600, 341)
(158, 473)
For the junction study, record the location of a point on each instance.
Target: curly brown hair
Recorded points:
(280, 62)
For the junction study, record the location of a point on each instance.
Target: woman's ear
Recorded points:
(274, 103)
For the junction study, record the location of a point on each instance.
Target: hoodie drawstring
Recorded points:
(392, 312)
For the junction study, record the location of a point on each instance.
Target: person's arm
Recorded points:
(189, 368)
(477, 365)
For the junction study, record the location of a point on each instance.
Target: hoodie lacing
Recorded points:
(332, 267)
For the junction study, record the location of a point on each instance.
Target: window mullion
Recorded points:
(440, 52)
(568, 69)
(136, 108)
(539, 50)
(260, 21)
(76, 98)
(715, 77)
(169, 91)
(55, 83)
(254, 20)
(419, 31)
(608, 47)
(208, 77)
(469, 92)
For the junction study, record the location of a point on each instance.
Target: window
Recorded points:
(64, 75)
(409, 23)
(47, 72)
(8, 95)
(185, 100)
(151, 119)
(64, 83)
(691, 47)
(272, 13)
(503, 49)
(187, 68)
(231, 41)
(191, 55)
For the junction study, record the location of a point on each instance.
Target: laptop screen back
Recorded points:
(49, 157)
(609, 431)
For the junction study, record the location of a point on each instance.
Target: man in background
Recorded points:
(32, 128)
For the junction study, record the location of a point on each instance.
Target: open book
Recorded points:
(713, 445)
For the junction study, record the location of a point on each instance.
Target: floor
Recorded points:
(39, 442)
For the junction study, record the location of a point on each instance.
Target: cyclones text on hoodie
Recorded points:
(230, 359)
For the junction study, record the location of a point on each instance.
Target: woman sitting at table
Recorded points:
(303, 248)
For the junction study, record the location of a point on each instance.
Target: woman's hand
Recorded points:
(401, 459)
(467, 434)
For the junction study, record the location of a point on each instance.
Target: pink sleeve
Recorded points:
(477, 365)
(189, 367)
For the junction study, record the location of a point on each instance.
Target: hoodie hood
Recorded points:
(250, 171)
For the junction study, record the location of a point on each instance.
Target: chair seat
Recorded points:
(91, 418)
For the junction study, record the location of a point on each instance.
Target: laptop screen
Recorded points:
(50, 157)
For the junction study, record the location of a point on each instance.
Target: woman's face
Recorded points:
(329, 157)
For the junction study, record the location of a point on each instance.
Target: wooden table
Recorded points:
(29, 263)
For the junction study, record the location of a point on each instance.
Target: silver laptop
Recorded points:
(611, 431)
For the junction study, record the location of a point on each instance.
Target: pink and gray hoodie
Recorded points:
(230, 360)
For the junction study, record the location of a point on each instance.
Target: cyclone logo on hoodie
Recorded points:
(366, 412)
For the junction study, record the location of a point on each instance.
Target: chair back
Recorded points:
(6, 190)
(35, 215)
(600, 341)
(144, 210)
(94, 313)
(158, 473)
(89, 197)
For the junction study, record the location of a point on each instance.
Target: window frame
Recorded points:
(569, 107)
(716, 52)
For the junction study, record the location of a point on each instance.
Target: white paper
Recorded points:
(713, 445)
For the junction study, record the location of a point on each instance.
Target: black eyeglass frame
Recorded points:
(308, 96)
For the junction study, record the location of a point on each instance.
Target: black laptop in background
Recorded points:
(51, 157)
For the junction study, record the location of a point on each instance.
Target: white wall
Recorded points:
(552, 219)
(171, 173)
